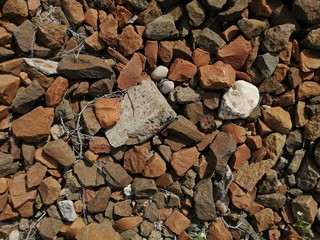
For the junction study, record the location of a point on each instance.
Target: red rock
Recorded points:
(177, 222)
(182, 70)
(129, 41)
(109, 31)
(127, 223)
(286, 99)
(277, 119)
(4, 117)
(8, 213)
(240, 156)
(154, 167)
(151, 52)
(15, 10)
(229, 33)
(239, 198)
(9, 86)
(131, 73)
(94, 43)
(46, 160)
(218, 231)
(71, 229)
(35, 174)
(238, 132)
(263, 220)
(165, 52)
(216, 76)
(308, 89)
(235, 53)
(100, 145)
(107, 111)
(56, 91)
(122, 15)
(184, 159)
(49, 190)
(91, 17)
(254, 142)
(200, 57)
(136, 158)
(12, 66)
(73, 11)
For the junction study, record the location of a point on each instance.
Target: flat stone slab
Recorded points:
(47, 67)
(144, 113)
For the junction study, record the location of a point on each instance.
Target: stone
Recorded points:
(15, 11)
(6, 54)
(184, 95)
(263, 220)
(151, 53)
(109, 31)
(73, 10)
(184, 159)
(182, 70)
(152, 12)
(49, 227)
(200, 57)
(136, 158)
(154, 167)
(49, 190)
(99, 145)
(86, 173)
(46, 67)
(235, 53)
(166, 86)
(39, 156)
(300, 116)
(67, 210)
(91, 17)
(312, 128)
(163, 27)
(143, 187)
(34, 125)
(238, 101)
(131, 73)
(274, 143)
(129, 41)
(60, 151)
(51, 34)
(196, 13)
(267, 64)
(213, 6)
(35, 174)
(144, 112)
(274, 200)
(307, 89)
(85, 66)
(159, 73)
(94, 43)
(123, 208)
(310, 40)
(177, 222)
(5, 37)
(277, 119)
(101, 87)
(307, 206)
(217, 230)
(294, 141)
(100, 201)
(309, 60)
(101, 231)
(9, 86)
(252, 27)
(89, 122)
(240, 199)
(127, 223)
(296, 161)
(306, 11)
(240, 156)
(56, 91)
(116, 176)
(248, 175)
(71, 229)
(107, 111)
(23, 36)
(210, 41)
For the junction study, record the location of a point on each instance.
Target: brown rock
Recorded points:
(181, 70)
(35, 174)
(152, 12)
(218, 231)
(211, 100)
(94, 43)
(91, 156)
(73, 11)
(5, 37)
(49, 190)
(15, 10)
(240, 156)
(308, 89)
(8, 213)
(144, 187)
(127, 223)
(235, 53)
(60, 151)
(33, 126)
(12, 66)
(263, 220)
(206, 140)
(248, 175)
(200, 57)
(100, 201)
(165, 52)
(26, 209)
(129, 41)
(229, 33)
(309, 60)
(49, 227)
(41, 157)
(286, 99)
(136, 158)
(254, 142)
(306, 205)
(131, 73)
(154, 167)
(9, 86)
(277, 119)
(164, 181)
(97, 231)
(51, 35)
(196, 13)
(107, 111)
(312, 128)
(151, 52)
(3, 185)
(261, 8)
(177, 222)
(274, 144)
(71, 229)
(238, 132)
(86, 173)
(91, 17)
(184, 159)
(216, 76)
(109, 31)
(89, 122)
(99, 145)
(116, 176)
(56, 91)
(182, 50)
(300, 116)
(122, 15)
(239, 198)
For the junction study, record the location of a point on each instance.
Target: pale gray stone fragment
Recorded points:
(67, 210)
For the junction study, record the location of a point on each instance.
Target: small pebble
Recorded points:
(159, 73)
(166, 87)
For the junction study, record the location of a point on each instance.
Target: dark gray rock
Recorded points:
(252, 27)
(161, 28)
(143, 187)
(273, 200)
(307, 11)
(102, 87)
(212, 6)
(7, 166)
(294, 141)
(234, 11)
(267, 63)
(269, 183)
(210, 41)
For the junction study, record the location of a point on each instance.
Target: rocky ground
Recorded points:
(167, 119)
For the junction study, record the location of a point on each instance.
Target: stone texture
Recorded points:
(160, 28)
(109, 31)
(86, 173)
(98, 231)
(129, 41)
(306, 205)
(274, 200)
(308, 89)
(196, 13)
(46, 67)
(136, 158)
(274, 143)
(100, 201)
(184, 159)
(177, 222)
(278, 119)
(73, 11)
(49, 227)
(154, 167)
(263, 220)
(107, 111)
(35, 174)
(181, 70)
(312, 128)
(16, 11)
(309, 60)
(51, 34)
(67, 210)
(267, 64)
(210, 41)
(49, 190)
(23, 36)
(60, 151)
(311, 40)
(131, 73)
(116, 176)
(252, 27)
(306, 11)
(127, 223)
(9, 86)
(143, 187)
(56, 91)
(218, 230)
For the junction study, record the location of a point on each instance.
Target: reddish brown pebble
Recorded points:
(182, 70)
(55, 92)
(107, 111)
(131, 73)
(200, 57)
(177, 222)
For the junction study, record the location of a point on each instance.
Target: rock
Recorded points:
(278, 119)
(307, 89)
(274, 143)
(109, 31)
(217, 230)
(184, 159)
(14, 235)
(177, 222)
(166, 86)
(73, 10)
(49, 227)
(33, 126)
(86, 173)
(9, 86)
(306, 11)
(159, 73)
(131, 73)
(71, 229)
(127, 223)
(23, 36)
(60, 151)
(5, 37)
(294, 141)
(144, 112)
(307, 206)
(210, 41)
(300, 115)
(204, 203)
(240, 156)
(116, 176)
(216, 76)
(282, 15)
(67, 210)
(252, 27)
(47, 67)
(296, 161)
(152, 12)
(123, 208)
(231, 107)
(310, 40)
(151, 53)
(129, 41)
(184, 95)
(35, 174)
(85, 66)
(273, 200)
(276, 38)
(312, 128)
(267, 64)
(51, 34)
(248, 175)
(235, 53)
(49, 190)
(154, 167)
(89, 122)
(239, 198)
(309, 60)
(143, 187)
(91, 18)
(196, 13)
(101, 87)
(238, 132)
(181, 70)
(56, 91)
(234, 11)
(6, 54)
(200, 57)
(213, 6)
(162, 27)
(138, 5)
(15, 11)
(100, 201)
(263, 220)
(101, 231)
(107, 111)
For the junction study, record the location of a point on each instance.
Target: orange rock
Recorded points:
(200, 57)
(101, 231)
(151, 52)
(263, 220)
(26, 209)
(3, 185)
(127, 223)
(12, 66)
(136, 158)
(164, 212)
(278, 119)
(15, 10)
(218, 231)
(122, 15)
(71, 229)
(165, 52)
(100, 145)
(182, 70)
(308, 89)
(216, 76)
(130, 74)
(35, 174)
(91, 17)
(78, 206)
(34, 125)
(240, 156)
(177, 222)
(286, 99)
(239, 198)
(184, 159)
(94, 43)
(8, 213)
(33, 6)
(129, 41)
(154, 167)
(9, 86)
(254, 142)
(46, 160)
(309, 60)
(243, 76)
(274, 234)
(25, 78)
(238, 132)
(49, 190)
(109, 31)
(56, 91)
(229, 33)
(91, 156)
(107, 111)
(73, 11)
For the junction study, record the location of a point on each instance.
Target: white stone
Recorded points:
(166, 86)
(67, 211)
(14, 235)
(47, 67)
(56, 131)
(159, 73)
(239, 101)
(128, 190)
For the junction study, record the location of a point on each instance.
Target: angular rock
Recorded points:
(135, 158)
(312, 128)
(152, 12)
(86, 173)
(60, 151)
(307, 206)
(90, 123)
(35, 174)
(311, 40)
(240, 199)
(67, 210)
(307, 11)
(51, 34)
(107, 111)
(123, 208)
(160, 28)
(144, 112)
(263, 220)
(49, 227)
(308, 89)
(56, 91)
(274, 143)
(9, 86)
(240, 156)
(184, 159)
(267, 64)
(49, 190)
(273, 200)
(278, 119)
(109, 31)
(218, 230)
(73, 10)
(196, 13)
(24, 36)
(47, 67)
(131, 73)
(184, 95)
(116, 176)
(127, 223)
(16, 11)
(71, 229)
(252, 27)
(129, 41)
(177, 222)
(143, 187)
(309, 60)
(182, 70)
(101, 231)
(100, 201)
(154, 167)
(210, 41)
(213, 6)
